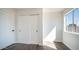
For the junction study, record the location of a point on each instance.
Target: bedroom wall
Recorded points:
(52, 26)
(7, 24)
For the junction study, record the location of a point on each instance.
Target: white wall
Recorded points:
(52, 26)
(7, 23)
(70, 39)
(31, 11)
(46, 24)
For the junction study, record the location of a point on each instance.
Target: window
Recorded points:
(72, 21)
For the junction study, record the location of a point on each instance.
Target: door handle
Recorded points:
(36, 30)
(13, 30)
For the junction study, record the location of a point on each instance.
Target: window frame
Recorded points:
(65, 22)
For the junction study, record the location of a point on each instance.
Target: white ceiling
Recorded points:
(27, 9)
(44, 9)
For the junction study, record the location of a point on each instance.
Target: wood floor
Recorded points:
(20, 46)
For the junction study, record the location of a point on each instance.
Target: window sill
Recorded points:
(71, 32)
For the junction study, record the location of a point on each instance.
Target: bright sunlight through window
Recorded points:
(72, 21)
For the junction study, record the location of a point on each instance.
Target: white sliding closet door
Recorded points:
(27, 29)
